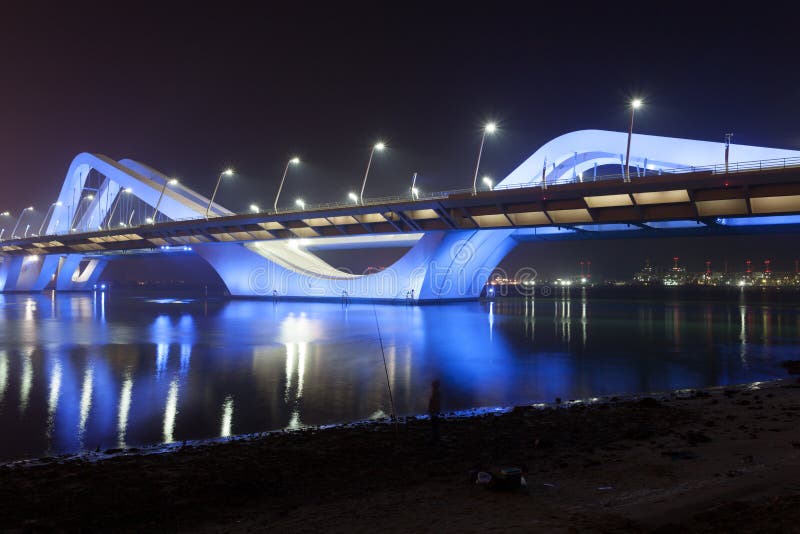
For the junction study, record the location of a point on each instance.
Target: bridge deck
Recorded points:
(700, 196)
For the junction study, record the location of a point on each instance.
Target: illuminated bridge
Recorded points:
(455, 239)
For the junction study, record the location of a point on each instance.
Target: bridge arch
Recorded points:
(573, 153)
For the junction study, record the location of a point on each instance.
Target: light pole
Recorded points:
(3, 230)
(378, 146)
(488, 181)
(21, 215)
(490, 128)
(636, 103)
(414, 191)
(117, 203)
(300, 203)
(352, 196)
(254, 208)
(226, 172)
(77, 209)
(51, 208)
(294, 161)
(163, 189)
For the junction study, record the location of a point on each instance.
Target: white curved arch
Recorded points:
(179, 202)
(576, 152)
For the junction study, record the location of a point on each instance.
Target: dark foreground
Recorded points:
(717, 460)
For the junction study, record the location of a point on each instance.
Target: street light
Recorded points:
(21, 215)
(488, 181)
(254, 208)
(2, 230)
(636, 103)
(414, 190)
(490, 128)
(353, 197)
(294, 161)
(51, 208)
(226, 172)
(163, 189)
(127, 191)
(300, 203)
(378, 146)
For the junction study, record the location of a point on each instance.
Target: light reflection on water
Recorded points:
(79, 372)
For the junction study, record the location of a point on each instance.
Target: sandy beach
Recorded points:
(720, 459)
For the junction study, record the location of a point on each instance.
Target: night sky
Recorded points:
(190, 90)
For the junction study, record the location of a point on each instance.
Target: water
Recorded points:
(79, 372)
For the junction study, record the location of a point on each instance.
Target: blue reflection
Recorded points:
(69, 381)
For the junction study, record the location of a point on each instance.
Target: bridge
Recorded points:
(455, 239)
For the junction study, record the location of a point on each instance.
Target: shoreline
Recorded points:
(467, 413)
(723, 457)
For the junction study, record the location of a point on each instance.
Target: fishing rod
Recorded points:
(386, 369)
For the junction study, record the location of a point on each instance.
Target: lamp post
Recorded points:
(3, 230)
(352, 196)
(77, 209)
(294, 161)
(21, 215)
(51, 208)
(490, 128)
(300, 203)
(636, 103)
(414, 190)
(378, 146)
(163, 190)
(254, 208)
(117, 203)
(488, 181)
(226, 172)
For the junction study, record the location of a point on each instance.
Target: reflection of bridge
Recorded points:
(456, 239)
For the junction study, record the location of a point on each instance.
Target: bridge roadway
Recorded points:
(649, 203)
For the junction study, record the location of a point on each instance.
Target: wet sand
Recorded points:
(715, 460)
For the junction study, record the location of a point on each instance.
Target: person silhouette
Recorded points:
(434, 408)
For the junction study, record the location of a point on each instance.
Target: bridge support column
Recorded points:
(442, 265)
(27, 273)
(68, 277)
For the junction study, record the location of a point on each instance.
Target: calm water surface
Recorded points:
(109, 370)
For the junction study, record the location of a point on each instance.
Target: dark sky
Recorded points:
(190, 90)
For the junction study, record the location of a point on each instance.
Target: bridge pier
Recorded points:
(68, 277)
(442, 265)
(37, 272)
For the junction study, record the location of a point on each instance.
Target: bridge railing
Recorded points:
(641, 173)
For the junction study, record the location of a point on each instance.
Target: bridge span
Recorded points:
(455, 239)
